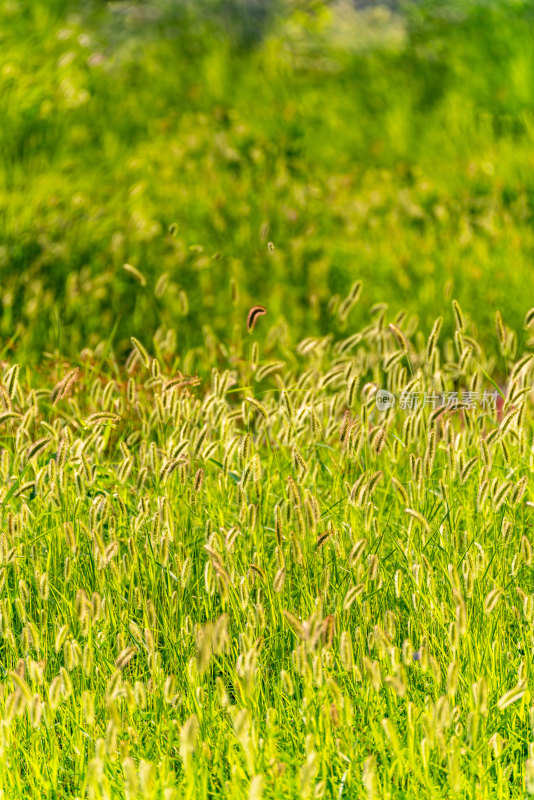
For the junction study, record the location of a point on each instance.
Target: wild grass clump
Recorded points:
(262, 585)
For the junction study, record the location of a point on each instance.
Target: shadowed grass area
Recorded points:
(406, 165)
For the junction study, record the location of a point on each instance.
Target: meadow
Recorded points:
(282, 552)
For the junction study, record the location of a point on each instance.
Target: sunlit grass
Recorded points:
(264, 586)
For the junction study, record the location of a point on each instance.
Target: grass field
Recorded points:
(287, 555)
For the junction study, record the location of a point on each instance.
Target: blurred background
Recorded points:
(245, 151)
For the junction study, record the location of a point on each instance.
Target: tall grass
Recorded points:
(261, 585)
(289, 554)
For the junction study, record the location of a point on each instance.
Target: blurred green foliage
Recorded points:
(182, 139)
